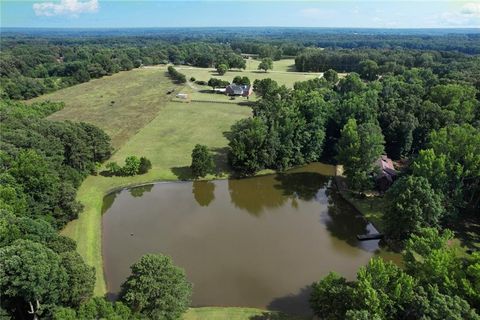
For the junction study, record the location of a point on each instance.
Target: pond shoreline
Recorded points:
(296, 202)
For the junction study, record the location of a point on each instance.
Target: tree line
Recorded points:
(31, 66)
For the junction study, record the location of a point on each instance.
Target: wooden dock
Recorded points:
(371, 236)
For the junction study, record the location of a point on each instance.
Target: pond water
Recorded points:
(256, 242)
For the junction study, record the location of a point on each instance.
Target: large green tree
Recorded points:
(331, 297)
(31, 273)
(157, 288)
(266, 64)
(358, 149)
(412, 204)
(202, 161)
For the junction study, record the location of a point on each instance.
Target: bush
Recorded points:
(145, 165)
(113, 168)
(132, 166)
(202, 161)
(192, 79)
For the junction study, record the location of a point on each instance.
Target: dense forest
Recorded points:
(414, 97)
(32, 64)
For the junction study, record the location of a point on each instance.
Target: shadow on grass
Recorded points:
(274, 316)
(182, 173)
(220, 158)
(292, 68)
(291, 304)
(106, 173)
(467, 230)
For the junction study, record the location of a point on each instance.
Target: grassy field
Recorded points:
(137, 97)
(220, 313)
(282, 77)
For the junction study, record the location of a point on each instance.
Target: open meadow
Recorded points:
(120, 104)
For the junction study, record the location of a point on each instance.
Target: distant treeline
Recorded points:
(449, 65)
(34, 62)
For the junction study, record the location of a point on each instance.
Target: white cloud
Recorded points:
(311, 12)
(65, 7)
(467, 16)
(471, 9)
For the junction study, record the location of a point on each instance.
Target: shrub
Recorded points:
(113, 168)
(192, 79)
(145, 165)
(132, 166)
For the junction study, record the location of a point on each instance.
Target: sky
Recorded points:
(201, 13)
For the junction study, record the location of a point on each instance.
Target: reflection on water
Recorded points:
(257, 242)
(140, 190)
(203, 192)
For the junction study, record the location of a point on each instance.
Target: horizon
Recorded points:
(349, 14)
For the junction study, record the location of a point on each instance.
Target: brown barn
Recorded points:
(386, 173)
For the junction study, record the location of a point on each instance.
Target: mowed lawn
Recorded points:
(233, 313)
(120, 104)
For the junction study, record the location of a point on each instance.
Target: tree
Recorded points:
(81, 278)
(460, 148)
(145, 165)
(31, 272)
(368, 70)
(247, 141)
(156, 288)
(222, 69)
(214, 83)
(241, 80)
(331, 297)
(265, 87)
(266, 64)
(351, 83)
(202, 161)
(358, 148)
(132, 166)
(435, 260)
(331, 76)
(384, 289)
(412, 204)
(431, 304)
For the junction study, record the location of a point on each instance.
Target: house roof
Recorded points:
(386, 167)
(238, 89)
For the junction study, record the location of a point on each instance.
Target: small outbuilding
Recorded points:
(386, 173)
(182, 96)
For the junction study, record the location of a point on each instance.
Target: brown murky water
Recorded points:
(257, 242)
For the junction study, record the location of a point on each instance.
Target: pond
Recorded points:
(255, 242)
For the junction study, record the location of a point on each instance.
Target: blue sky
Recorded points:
(340, 13)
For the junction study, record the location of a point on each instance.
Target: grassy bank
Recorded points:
(221, 313)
